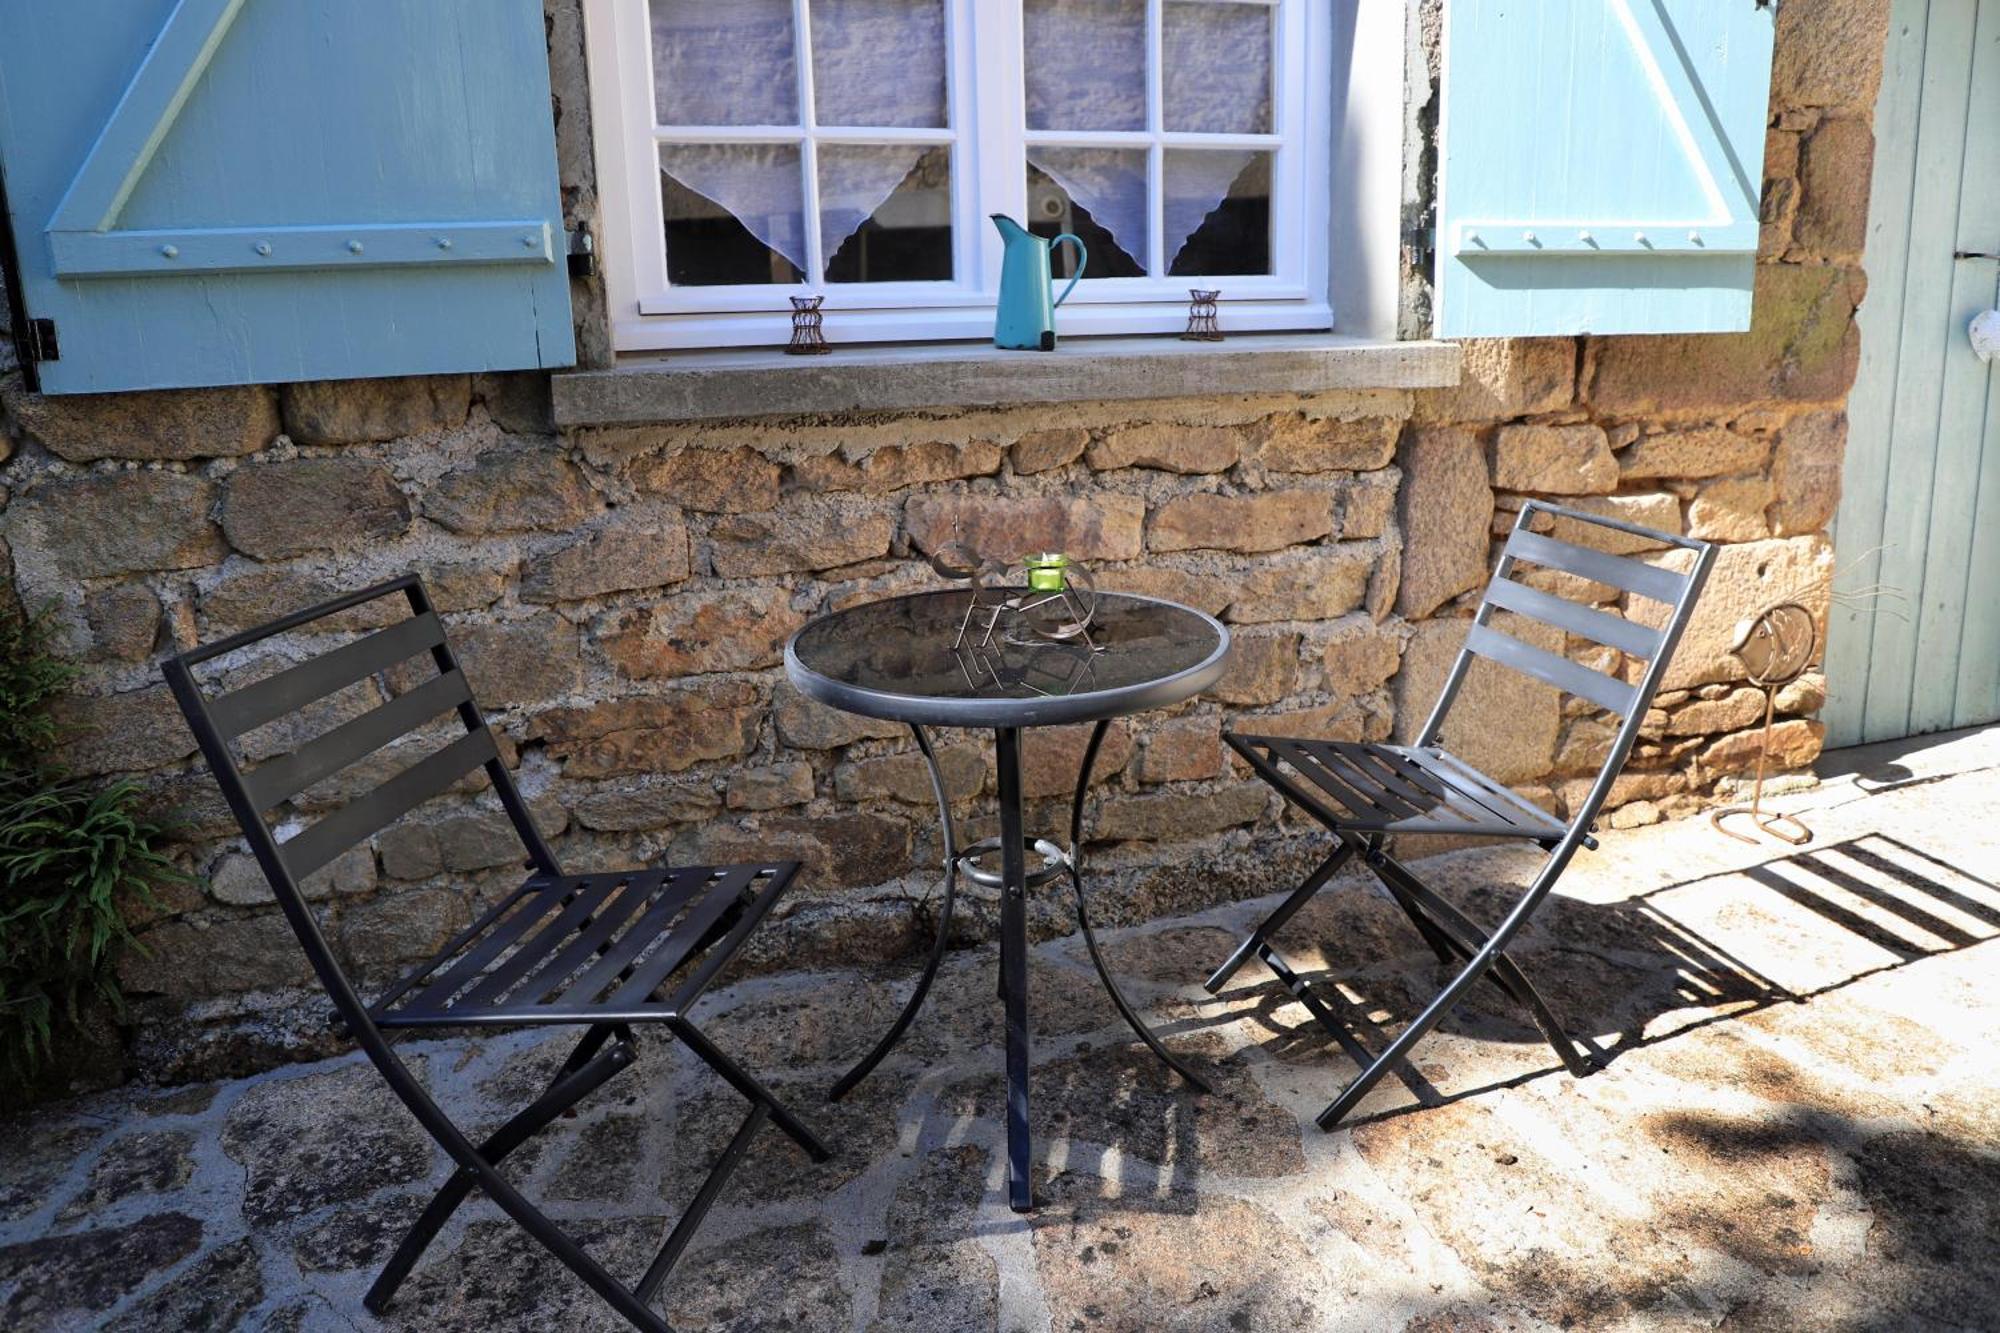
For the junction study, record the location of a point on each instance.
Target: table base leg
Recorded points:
(852, 1077)
(1125, 1010)
(1014, 969)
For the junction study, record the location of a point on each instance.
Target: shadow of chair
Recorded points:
(1636, 972)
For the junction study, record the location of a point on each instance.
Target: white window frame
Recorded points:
(989, 134)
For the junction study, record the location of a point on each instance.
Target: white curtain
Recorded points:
(879, 63)
(854, 180)
(1197, 183)
(758, 183)
(1085, 64)
(725, 62)
(1110, 182)
(1087, 71)
(1215, 69)
(882, 63)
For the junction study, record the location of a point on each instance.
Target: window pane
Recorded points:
(879, 62)
(1218, 212)
(885, 212)
(1086, 64)
(724, 62)
(734, 213)
(1216, 75)
(1097, 193)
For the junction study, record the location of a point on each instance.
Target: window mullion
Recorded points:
(1156, 124)
(809, 148)
(1000, 102)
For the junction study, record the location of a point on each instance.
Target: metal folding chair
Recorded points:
(601, 951)
(1363, 792)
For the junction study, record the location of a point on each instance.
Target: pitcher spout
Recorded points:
(1010, 230)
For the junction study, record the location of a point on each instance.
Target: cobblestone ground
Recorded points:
(1799, 1128)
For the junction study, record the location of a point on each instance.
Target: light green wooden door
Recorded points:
(1920, 505)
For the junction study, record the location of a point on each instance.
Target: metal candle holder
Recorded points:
(807, 339)
(1057, 606)
(1202, 326)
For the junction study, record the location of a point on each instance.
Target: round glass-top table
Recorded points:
(934, 659)
(905, 659)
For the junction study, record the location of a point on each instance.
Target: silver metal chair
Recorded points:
(601, 952)
(1364, 792)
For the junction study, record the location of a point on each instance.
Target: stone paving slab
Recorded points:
(1799, 1127)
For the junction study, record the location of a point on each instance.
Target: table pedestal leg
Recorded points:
(1013, 879)
(916, 1001)
(1125, 1010)
(1014, 966)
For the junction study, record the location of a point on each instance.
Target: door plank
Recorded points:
(1950, 584)
(1978, 685)
(1858, 531)
(1947, 72)
(1960, 620)
(1957, 607)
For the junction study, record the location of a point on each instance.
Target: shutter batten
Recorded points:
(1602, 166)
(209, 192)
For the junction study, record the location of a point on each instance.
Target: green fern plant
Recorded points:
(75, 856)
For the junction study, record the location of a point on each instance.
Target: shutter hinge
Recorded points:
(582, 253)
(42, 344)
(1420, 245)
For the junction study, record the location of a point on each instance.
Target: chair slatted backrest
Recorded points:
(219, 723)
(1675, 589)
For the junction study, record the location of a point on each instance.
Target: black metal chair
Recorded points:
(600, 951)
(1362, 792)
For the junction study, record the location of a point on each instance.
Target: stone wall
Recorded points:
(620, 597)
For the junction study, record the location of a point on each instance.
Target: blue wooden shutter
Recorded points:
(1602, 165)
(250, 191)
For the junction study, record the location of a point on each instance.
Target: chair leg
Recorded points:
(1405, 1041)
(746, 1083)
(516, 1206)
(1465, 938)
(1258, 938)
(582, 1074)
(1440, 941)
(704, 1199)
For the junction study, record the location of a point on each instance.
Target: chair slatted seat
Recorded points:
(1364, 792)
(598, 951)
(1396, 788)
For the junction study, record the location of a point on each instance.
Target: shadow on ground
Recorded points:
(1622, 975)
(1797, 1128)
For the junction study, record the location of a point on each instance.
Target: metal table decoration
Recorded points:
(1775, 646)
(916, 660)
(807, 319)
(1202, 325)
(1055, 607)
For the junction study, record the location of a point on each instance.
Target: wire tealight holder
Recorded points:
(807, 339)
(1056, 607)
(1202, 326)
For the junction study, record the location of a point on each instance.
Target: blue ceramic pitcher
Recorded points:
(1027, 317)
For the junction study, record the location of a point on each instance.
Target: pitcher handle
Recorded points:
(1082, 260)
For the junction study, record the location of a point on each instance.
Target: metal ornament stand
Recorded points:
(807, 339)
(1057, 607)
(1776, 645)
(1202, 325)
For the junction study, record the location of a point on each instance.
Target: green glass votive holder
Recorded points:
(1045, 571)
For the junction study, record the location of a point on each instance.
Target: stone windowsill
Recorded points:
(694, 386)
